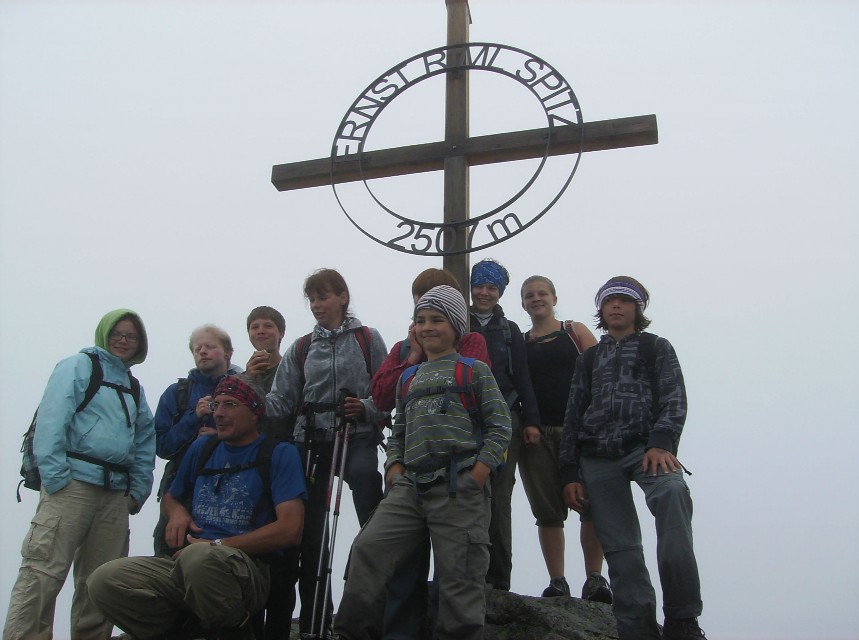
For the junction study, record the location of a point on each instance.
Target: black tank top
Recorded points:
(551, 362)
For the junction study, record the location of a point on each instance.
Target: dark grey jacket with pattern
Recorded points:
(617, 412)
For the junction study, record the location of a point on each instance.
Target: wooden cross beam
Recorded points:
(458, 151)
(499, 147)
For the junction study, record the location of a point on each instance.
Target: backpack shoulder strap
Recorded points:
(302, 348)
(365, 339)
(571, 331)
(464, 374)
(264, 456)
(508, 342)
(464, 386)
(95, 380)
(406, 381)
(589, 360)
(405, 349)
(647, 348)
(135, 388)
(205, 454)
(183, 394)
(505, 328)
(647, 358)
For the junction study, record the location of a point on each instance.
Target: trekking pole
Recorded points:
(309, 428)
(316, 633)
(344, 435)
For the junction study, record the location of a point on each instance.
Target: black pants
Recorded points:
(365, 481)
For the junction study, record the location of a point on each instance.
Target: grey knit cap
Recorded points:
(450, 302)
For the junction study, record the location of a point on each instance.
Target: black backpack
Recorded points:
(183, 392)
(30, 477)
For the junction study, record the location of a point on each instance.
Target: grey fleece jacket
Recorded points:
(333, 362)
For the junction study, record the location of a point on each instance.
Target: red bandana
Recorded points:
(241, 391)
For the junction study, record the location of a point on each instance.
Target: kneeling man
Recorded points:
(247, 505)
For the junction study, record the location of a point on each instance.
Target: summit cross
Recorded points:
(458, 151)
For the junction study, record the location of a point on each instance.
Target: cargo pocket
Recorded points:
(39, 543)
(478, 553)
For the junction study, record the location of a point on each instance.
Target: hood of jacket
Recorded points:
(198, 377)
(109, 321)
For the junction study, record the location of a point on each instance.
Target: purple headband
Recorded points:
(241, 391)
(622, 288)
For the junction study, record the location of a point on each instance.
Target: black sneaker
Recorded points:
(596, 589)
(682, 629)
(557, 587)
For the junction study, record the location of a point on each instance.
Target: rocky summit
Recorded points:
(510, 616)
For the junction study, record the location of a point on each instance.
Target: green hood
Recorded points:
(108, 322)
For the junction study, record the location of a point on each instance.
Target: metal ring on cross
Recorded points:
(541, 191)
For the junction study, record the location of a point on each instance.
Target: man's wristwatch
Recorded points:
(216, 541)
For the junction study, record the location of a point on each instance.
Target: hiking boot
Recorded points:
(596, 589)
(682, 629)
(557, 587)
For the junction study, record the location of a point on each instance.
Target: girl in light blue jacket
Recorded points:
(96, 467)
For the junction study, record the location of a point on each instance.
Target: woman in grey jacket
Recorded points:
(323, 378)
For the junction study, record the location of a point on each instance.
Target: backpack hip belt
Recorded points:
(319, 407)
(451, 463)
(106, 468)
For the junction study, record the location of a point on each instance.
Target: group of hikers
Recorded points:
(256, 462)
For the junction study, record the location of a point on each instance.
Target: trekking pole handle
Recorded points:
(345, 394)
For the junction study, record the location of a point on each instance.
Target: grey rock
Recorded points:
(510, 616)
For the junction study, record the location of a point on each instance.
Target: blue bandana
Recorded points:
(490, 272)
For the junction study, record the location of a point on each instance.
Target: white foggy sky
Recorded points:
(136, 144)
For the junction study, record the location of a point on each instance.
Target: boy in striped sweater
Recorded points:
(440, 457)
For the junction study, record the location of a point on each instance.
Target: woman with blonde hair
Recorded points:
(553, 347)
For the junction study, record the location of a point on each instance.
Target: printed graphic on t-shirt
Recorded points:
(226, 502)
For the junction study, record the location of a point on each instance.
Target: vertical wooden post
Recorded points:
(456, 130)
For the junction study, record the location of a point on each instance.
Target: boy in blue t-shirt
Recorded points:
(439, 461)
(219, 578)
